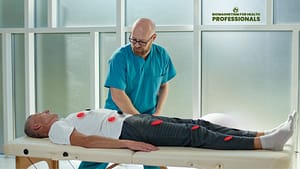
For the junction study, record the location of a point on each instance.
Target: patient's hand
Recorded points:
(139, 146)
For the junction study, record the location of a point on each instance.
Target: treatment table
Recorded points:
(28, 150)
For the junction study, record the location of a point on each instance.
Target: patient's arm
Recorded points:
(93, 141)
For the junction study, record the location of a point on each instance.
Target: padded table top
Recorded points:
(166, 156)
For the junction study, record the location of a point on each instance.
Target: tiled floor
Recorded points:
(8, 162)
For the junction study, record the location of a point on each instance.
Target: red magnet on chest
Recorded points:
(156, 122)
(112, 119)
(80, 114)
(195, 127)
(227, 138)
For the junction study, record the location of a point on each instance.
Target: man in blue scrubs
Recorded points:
(138, 77)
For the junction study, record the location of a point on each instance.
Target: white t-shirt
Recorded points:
(101, 122)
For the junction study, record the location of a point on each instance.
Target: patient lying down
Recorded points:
(105, 128)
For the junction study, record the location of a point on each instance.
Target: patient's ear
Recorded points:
(36, 126)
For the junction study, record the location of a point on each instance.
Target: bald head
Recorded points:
(142, 36)
(143, 28)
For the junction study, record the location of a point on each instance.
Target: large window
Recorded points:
(247, 73)
(62, 72)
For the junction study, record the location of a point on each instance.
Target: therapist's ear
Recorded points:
(154, 36)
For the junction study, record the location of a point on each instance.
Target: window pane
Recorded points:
(11, 13)
(178, 12)
(179, 102)
(108, 44)
(232, 12)
(247, 74)
(75, 13)
(286, 11)
(63, 72)
(1, 99)
(41, 13)
(19, 82)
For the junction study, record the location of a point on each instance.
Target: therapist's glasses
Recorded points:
(140, 42)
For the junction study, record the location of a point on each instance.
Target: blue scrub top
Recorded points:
(139, 78)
